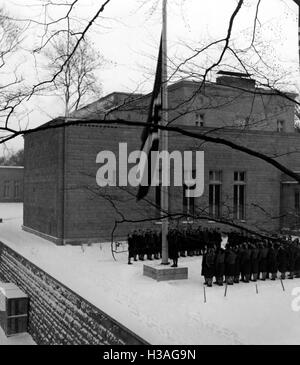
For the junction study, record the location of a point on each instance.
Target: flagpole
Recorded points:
(164, 138)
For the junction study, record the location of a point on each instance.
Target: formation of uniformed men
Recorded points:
(244, 258)
(251, 260)
(144, 244)
(189, 241)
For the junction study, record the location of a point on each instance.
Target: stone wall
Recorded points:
(57, 315)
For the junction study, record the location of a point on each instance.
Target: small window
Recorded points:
(239, 176)
(199, 120)
(16, 189)
(215, 191)
(280, 126)
(215, 176)
(239, 195)
(6, 191)
(188, 202)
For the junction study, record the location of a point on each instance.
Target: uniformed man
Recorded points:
(157, 245)
(230, 257)
(220, 266)
(254, 261)
(237, 265)
(208, 264)
(272, 261)
(282, 258)
(245, 263)
(141, 244)
(148, 244)
(130, 248)
(263, 260)
(173, 246)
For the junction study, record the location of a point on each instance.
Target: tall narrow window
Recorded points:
(6, 189)
(16, 189)
(239, 193)
(199, 120)
(215, 191)
(280, 126)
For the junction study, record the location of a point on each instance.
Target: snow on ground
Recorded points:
(171, 312)
(20, 339)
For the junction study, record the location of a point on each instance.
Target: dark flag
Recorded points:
(150, 138)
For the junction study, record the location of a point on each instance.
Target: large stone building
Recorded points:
(64, 203)
(11, 184)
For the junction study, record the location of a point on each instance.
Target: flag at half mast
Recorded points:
(150, 135)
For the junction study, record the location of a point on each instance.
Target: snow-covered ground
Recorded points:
(171, 312)
(21, 339)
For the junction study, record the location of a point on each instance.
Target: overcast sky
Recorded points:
(128, 36)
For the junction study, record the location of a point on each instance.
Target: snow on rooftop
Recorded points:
(171, 312)
(11, 291)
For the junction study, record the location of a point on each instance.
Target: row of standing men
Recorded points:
(246, 257)
(146, 244)
(251, 261)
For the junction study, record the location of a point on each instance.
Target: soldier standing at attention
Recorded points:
(204, 265)
(130, 248)
(182, 244)
(254, 262)
(297, 259)
(282, 258)
(208, 264)
(230, 258)
(173, 246)
(141, 244)
(237, 265)
(272, 261)
(263, 261)
(148, 244)
(246, 263)
(220, 266)
(156, 245)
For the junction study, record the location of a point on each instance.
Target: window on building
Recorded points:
(280, 125)
(215, 191)
(17, 189)
(6, 191)
(188, 202)
(199, 120)
(239, 194)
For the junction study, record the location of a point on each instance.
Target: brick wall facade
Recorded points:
(43, 188)
(90, 212)
(57, 315)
